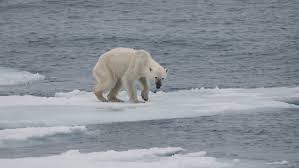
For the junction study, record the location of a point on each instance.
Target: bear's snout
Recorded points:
(158, 84)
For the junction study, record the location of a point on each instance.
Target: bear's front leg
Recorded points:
(129, 84)
(145, 91)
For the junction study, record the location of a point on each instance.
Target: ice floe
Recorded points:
(37, 132)
(81, 107)
(10, 76)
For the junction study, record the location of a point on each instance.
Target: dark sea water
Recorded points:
(232, 43)
(204, 43)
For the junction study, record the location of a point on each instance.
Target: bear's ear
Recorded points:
(166, 69)
(150, 69)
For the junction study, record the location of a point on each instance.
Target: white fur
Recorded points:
(122, 67)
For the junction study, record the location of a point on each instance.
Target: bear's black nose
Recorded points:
(158, 84)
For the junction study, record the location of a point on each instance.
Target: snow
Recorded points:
(10, 76)
(81, 108)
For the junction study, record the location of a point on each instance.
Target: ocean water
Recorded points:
(231, 98)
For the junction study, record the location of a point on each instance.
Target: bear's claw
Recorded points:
(100, 97)
(144, 95)
(145, 99)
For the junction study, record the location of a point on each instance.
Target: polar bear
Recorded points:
(122, 67)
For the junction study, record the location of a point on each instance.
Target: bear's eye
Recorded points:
(150, 69)
(156, 77)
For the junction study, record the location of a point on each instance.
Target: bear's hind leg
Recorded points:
(114, 91)
(99, 93)
(101, 88)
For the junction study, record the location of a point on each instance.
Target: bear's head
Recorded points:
(153, 70)
(157, 74)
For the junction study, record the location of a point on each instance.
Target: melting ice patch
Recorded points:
(284, 162)
(10, 76)
(37, 132)
(80, 107)
(172, 157)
